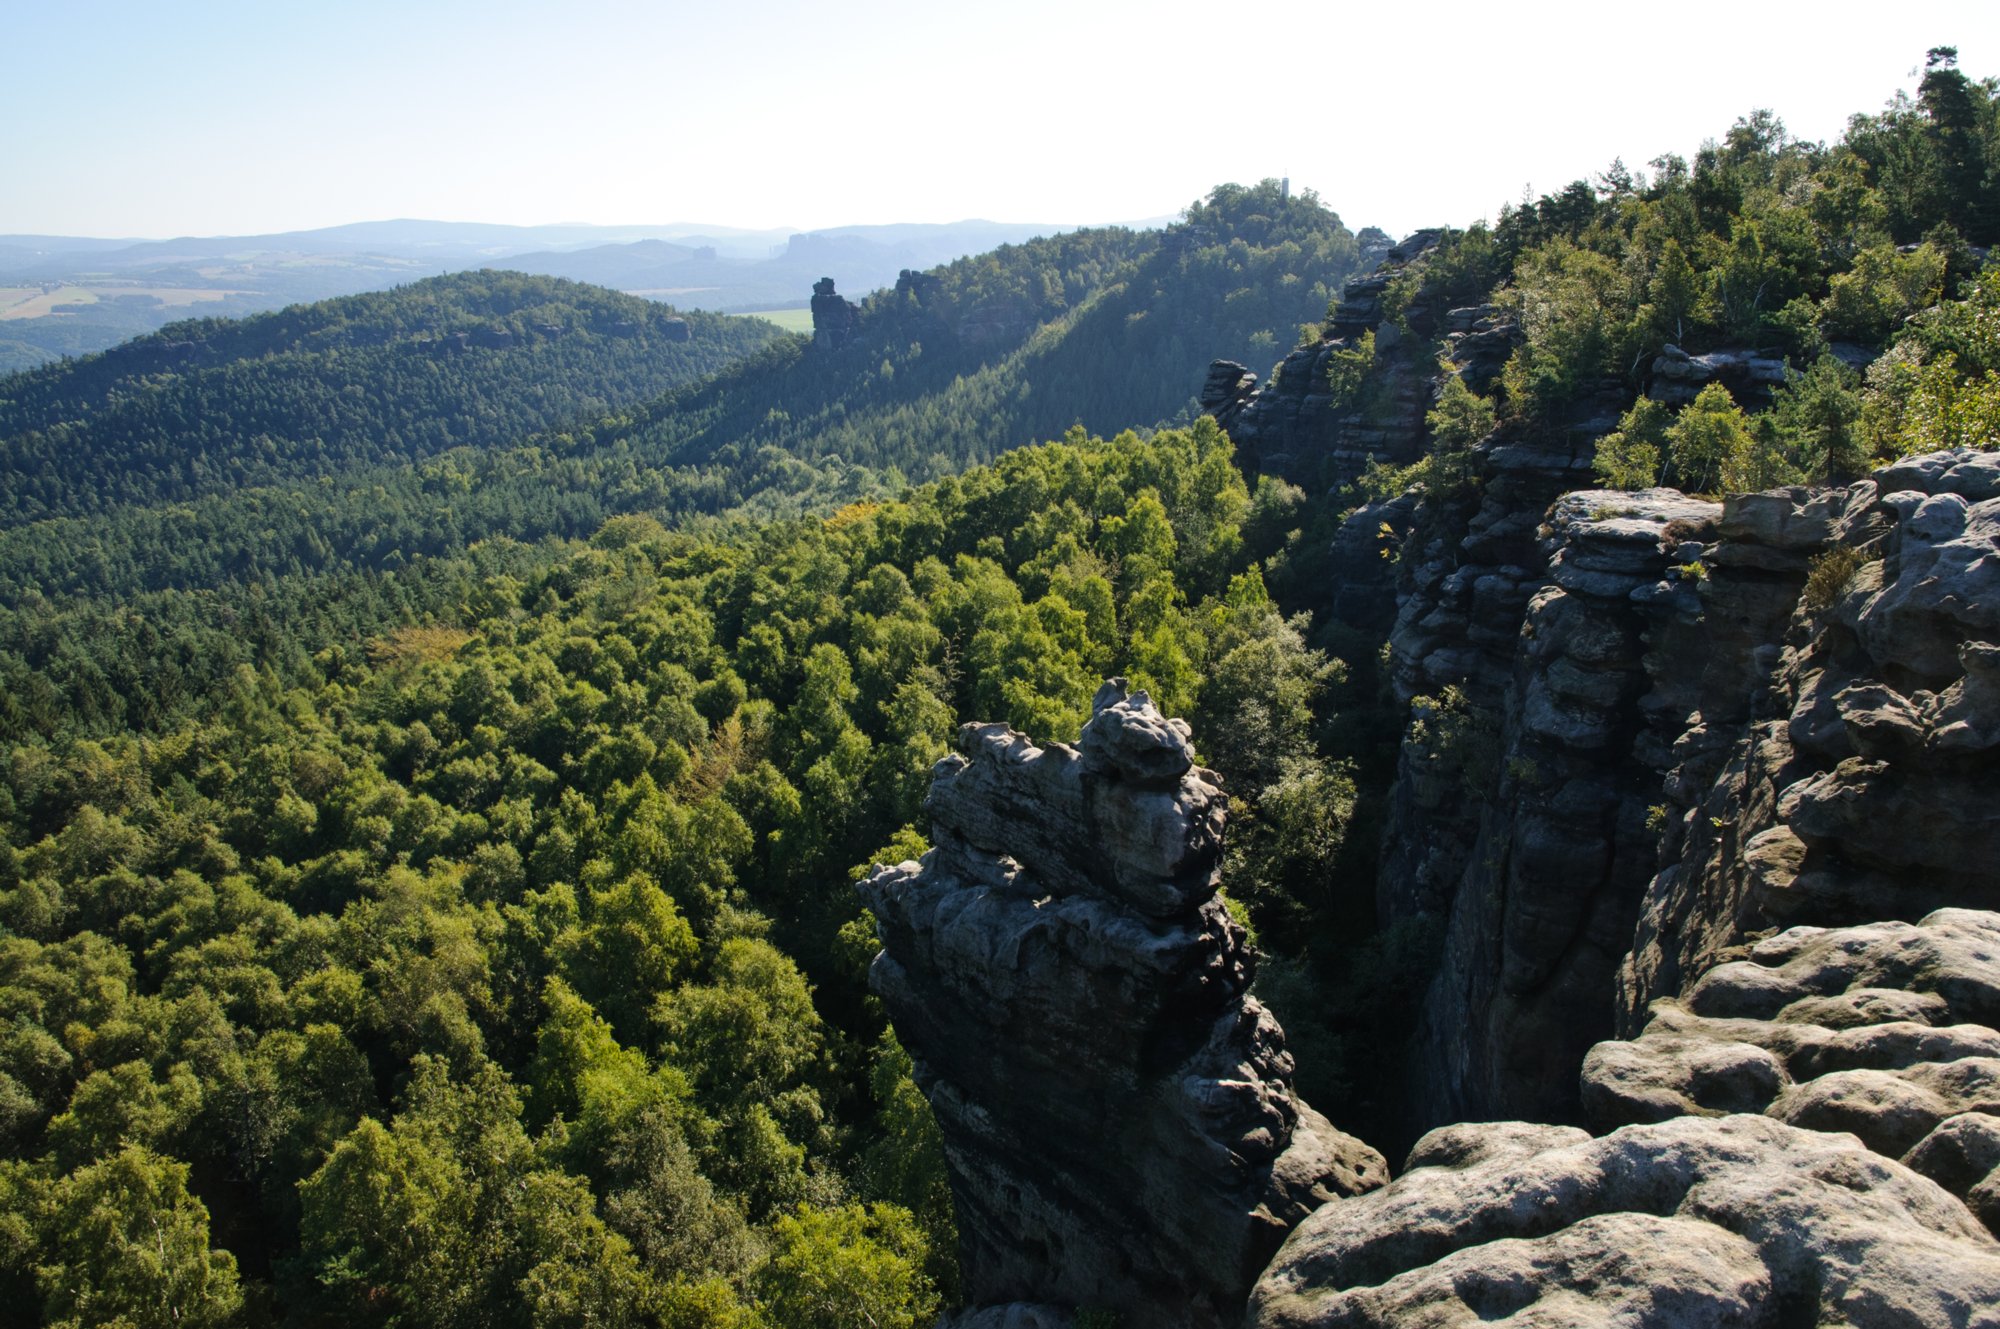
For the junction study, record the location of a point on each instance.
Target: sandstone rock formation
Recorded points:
(1847, 769)
(1816, 755)
(1293, 427)
(1749, 375)
(1736, 1221)
(1890, 1032)
(1519, 816)
(834, 318)
(1117, 1112)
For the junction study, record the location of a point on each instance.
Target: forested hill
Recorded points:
(126, 618)
(948, 368)
(466, 981)
(213, 405)
(1106, 329)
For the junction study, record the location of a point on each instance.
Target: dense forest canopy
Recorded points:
(511, 975)
(211, 406)
(1105, 327)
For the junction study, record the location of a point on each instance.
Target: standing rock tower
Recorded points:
(1117, 1112)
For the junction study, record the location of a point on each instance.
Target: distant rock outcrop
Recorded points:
(834, 318)
(1748, 375)
(1117, 1113)
(1293, 426)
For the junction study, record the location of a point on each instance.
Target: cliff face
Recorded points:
(1117, 1112)
(1609, 696)
(1672, 744)
(1802, 1127)
(1295, 428)
(1541, 739)
(1704, 799)
(1861, 782)
(1649, 732)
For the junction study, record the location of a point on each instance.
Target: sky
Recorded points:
(206, 117)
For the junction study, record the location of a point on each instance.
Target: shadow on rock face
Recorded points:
(1117, 1113)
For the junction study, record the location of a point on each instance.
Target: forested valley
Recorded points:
(469, 933)
(1095, 328)
(436, 773)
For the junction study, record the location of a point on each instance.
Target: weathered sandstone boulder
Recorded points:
(1734, 1221)
(1890, 1032)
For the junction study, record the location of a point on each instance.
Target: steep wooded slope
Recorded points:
(211, 406)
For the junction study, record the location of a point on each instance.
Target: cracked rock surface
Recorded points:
(1885, 1031)
(1738, 1220)
(1117, 1112)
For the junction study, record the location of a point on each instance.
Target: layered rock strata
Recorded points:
(1843, 762)
(1117, 1112)
(1801, 753)
(1736, 1221)
(1295, 428)
(1520, 814)
(1886, 1032)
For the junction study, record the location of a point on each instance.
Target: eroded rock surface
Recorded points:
(1520, 811)
(1670, 732)
(1734, 1221)
(1293, 426)
(1886, 1031)
(1844, 768)
(1117, 1113)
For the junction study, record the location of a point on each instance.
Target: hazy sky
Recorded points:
(177, 117)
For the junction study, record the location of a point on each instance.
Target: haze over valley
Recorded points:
(68, 295)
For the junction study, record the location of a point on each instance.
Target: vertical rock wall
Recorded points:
(1117, 1113)
(1547, 775)
(1852, 773)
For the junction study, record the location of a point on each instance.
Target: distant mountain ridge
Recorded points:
(859, 258)
(213, 405)
(71, 295)
(213, 473)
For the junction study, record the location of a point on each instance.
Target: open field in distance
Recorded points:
(791, 320)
